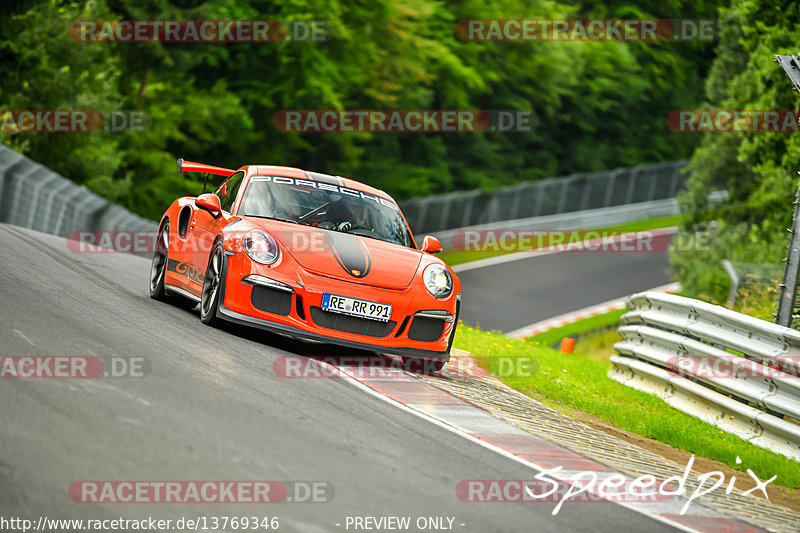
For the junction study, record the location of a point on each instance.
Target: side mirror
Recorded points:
(210, 203)
(431, 244)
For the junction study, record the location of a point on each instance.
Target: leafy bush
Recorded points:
(756, 169)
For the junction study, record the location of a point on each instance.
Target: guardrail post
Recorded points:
(466, 216)
(443, 216)
(49, 207)
(423, 210)
(537, 208)
(515, 201)
(562, 197)
(734, 275)
(36, 190)
(651, 194)
(586, 190)
(632, 184)
(4, 177)
(788, 287)
(612, 181)
(14, 215)
(673, 186)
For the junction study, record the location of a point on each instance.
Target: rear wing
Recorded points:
(188, 166)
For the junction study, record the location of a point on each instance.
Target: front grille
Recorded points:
(271, 300)
(351, 324)
(425, 329)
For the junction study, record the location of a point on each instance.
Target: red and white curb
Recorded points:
(406, 391)
(580, 314)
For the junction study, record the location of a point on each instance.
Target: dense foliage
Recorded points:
(600, 105)
(757, 169)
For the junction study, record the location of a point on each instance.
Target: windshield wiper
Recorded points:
(279, 219)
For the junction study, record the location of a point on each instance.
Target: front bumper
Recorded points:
(294, 309)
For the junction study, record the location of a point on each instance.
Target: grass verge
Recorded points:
(552, 336)
(456, 257)
(571, 382)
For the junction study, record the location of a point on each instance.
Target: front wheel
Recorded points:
(209, 300)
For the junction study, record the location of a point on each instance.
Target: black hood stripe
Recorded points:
(350, 253)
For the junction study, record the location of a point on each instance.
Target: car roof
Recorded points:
(291, 172)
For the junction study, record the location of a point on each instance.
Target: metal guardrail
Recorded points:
(547, 197)
(35, 197)
(748, 383)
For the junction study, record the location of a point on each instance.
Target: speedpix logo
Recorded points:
(589, 486)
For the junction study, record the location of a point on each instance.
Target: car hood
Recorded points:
(346, 256)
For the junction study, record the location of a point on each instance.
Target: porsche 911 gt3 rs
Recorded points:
(317, 257)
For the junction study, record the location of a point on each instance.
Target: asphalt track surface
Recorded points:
(211, 408)
(511, 295)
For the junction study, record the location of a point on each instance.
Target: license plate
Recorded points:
(356, 307)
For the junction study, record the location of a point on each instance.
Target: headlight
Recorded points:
(437, 280)
(261, 247)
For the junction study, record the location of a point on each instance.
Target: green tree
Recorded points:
(755, 169)
(600, 105)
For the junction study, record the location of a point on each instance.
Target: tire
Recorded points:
(209, 300)
(422, 366)
(158, 269)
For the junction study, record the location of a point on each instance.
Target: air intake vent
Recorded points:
(426, 329)
(271, 300)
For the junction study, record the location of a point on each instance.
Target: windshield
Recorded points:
(325, 206)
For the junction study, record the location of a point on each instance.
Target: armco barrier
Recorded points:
(548, 197)
(35, 197)
(748, 384)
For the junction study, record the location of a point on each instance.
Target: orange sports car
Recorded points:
(317, 257)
